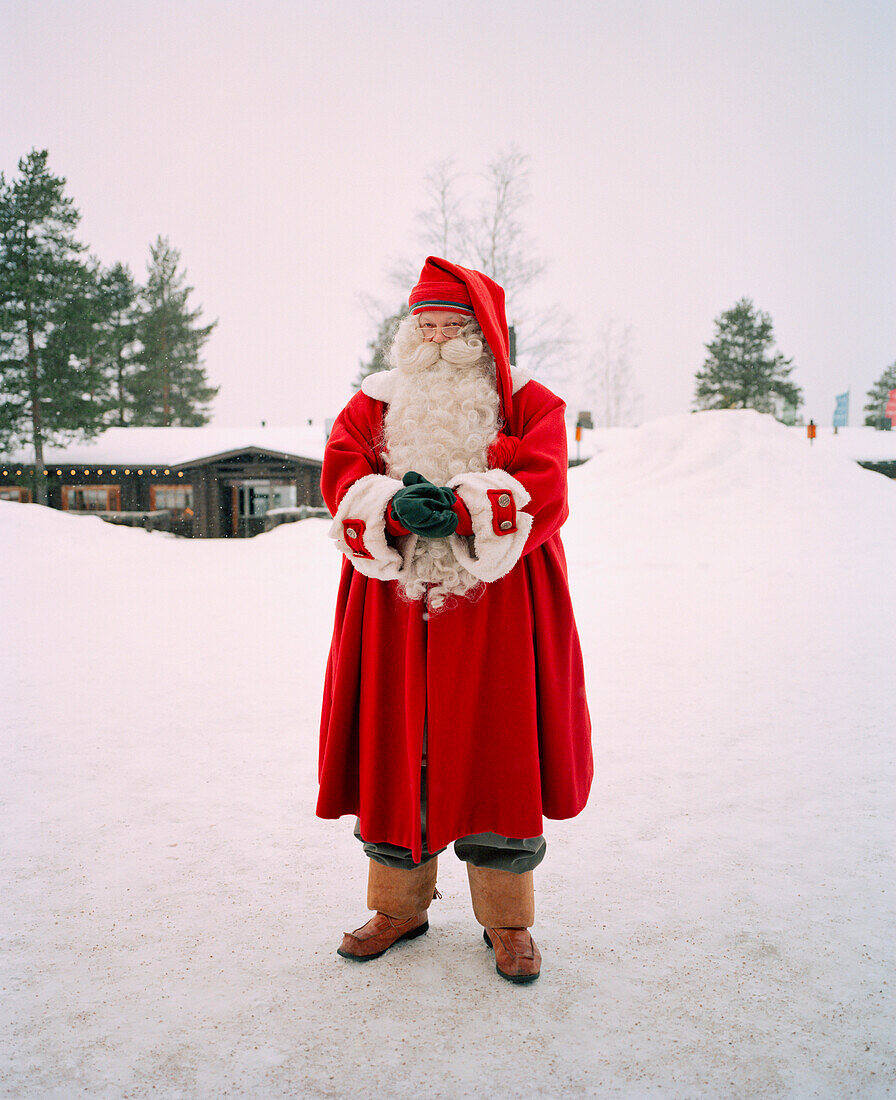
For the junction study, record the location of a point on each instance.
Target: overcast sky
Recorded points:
(682, 155)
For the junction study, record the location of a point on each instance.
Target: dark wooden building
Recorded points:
(201, 482)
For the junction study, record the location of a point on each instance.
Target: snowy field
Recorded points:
(718, 923)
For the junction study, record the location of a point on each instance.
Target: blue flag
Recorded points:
(841, 413)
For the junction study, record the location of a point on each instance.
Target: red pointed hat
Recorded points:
(450, 287)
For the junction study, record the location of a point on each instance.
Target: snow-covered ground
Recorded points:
(718, 923)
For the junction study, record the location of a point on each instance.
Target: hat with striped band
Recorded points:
(440, 291)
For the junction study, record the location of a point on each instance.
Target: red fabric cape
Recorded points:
(499, 680)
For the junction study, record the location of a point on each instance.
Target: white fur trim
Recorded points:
(381, 385)
(368, 500)
(492, 555)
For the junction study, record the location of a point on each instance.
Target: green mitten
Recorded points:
(425, 508)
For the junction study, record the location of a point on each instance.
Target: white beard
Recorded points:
(440, 422)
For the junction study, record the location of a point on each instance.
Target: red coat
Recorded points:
(499, 679)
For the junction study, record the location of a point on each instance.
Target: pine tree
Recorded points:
(877, 397)
(75, 351)
(118, 338)
(48, 297)
(169, 385)
(379, 346)
(740, 371)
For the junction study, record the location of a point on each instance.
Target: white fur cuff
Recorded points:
(359, 528)
(494, 500)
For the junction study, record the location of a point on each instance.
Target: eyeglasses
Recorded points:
(451, 329)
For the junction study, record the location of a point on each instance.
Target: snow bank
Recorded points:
(862, 444)
(717, 923)
(738, 484)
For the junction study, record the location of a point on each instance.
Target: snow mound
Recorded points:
(16, 518)
(731, 483)
(718, 452)
(34, 525)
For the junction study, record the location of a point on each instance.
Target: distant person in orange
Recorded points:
(810, 431)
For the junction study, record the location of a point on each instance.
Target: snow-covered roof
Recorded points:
(177, 446)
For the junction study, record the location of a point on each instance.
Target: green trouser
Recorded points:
(500, 853)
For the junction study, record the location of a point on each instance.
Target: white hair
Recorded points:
(440, 422)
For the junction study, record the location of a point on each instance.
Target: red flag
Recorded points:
(890, 410)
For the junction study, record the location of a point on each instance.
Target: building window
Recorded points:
(257, 498)
(176, 499)
(16, 492)
(252, 500)
(91, 498)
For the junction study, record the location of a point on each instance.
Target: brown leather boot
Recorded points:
(504, 904)
(516, 957)
(401, 899)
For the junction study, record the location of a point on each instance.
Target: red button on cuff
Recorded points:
(353, 533)
(503, 511)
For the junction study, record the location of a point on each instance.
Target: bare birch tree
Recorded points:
(493, 239)
(443, 227)
(607, 387)
(499, 244)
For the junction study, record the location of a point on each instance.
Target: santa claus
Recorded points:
(454, 705)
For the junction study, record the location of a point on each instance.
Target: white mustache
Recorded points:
(421, 357)
(458, 352)
(462, 352)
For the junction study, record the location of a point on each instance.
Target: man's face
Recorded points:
(437, 327)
